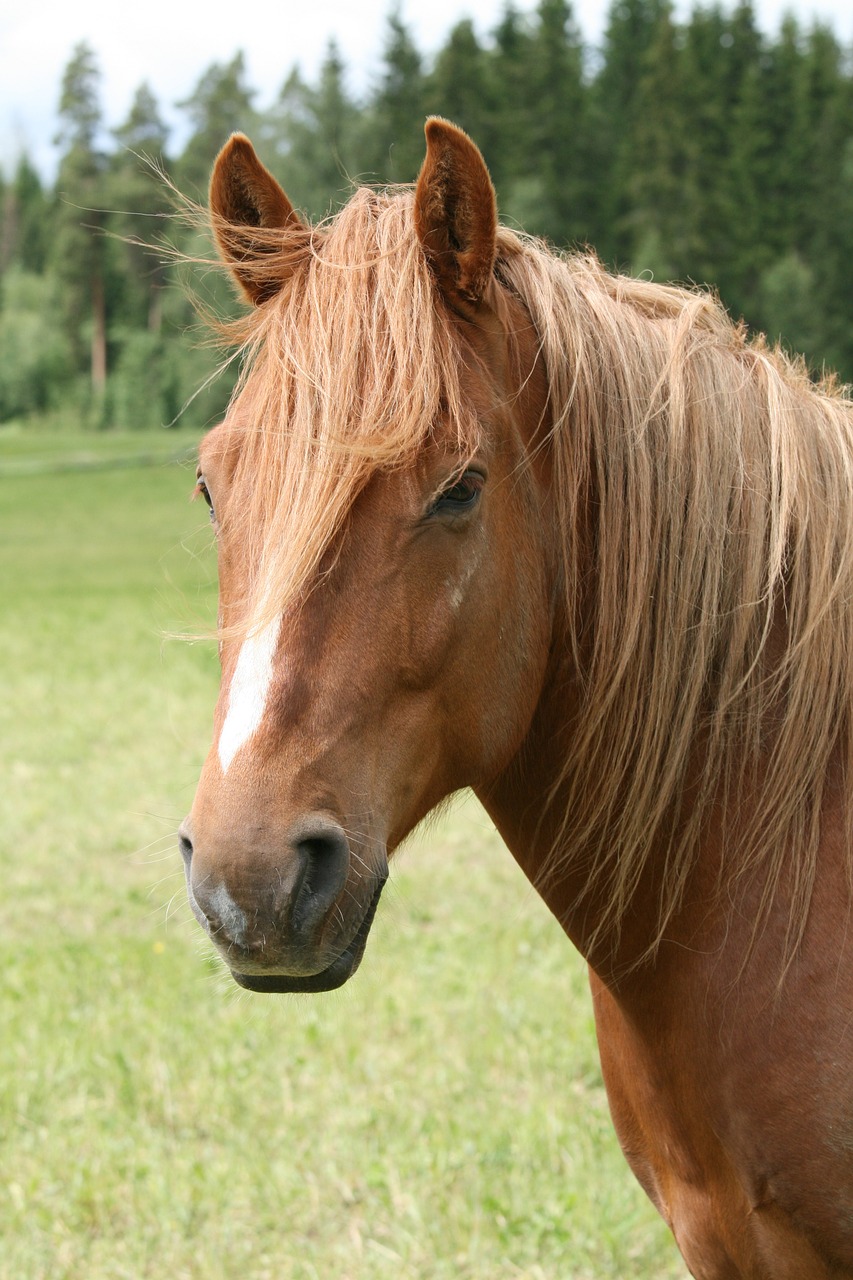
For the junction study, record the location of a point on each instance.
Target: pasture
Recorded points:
(442, 1116)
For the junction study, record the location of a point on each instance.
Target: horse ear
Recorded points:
(456, 213)
(249, 211)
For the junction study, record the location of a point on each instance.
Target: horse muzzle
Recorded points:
(294, 916)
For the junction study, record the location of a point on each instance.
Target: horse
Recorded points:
(492, 517)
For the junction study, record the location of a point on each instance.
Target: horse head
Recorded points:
(377, 488)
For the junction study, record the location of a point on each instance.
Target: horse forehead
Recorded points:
(219, 450)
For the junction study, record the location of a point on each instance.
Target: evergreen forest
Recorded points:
(703, 151)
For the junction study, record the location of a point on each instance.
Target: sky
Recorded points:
(170, 43)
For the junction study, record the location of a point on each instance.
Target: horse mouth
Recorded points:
(329, 979)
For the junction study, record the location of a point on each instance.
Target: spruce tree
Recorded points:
(830, 245)
(613, 122)
(558, 122)
(139, 201)
(718, 49)
(459, 87)
(660, 234)
(394, 124)
(219, 105)
(25, 233)
(78, 244)
(310, 137)
(510, 93)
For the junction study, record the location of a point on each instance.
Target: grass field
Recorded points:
(441, 1116)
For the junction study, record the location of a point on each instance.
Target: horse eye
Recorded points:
(461, 496)
(201, 488)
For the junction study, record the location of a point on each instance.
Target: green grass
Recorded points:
(442, 1116)
(25, 451)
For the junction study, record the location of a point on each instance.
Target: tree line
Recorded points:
(702, 150)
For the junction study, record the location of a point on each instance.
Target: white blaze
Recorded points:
(456, 589)
(247, 697)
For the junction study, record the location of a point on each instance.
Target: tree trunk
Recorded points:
(99, 335)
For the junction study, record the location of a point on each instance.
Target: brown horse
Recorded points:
(492, 518)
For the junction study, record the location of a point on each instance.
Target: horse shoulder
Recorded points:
(730, 1086)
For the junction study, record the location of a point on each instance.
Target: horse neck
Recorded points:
(717, 911)
(527, 806)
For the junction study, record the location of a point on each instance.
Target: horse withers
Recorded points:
(492, 518)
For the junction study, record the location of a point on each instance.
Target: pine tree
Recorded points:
(25, 220)
(78, 248)
(7, 224)
(768, 159)
(614, 118)
(558, 133)
(537, 74)
(143, 132)
(830, 244)
(394, 138)
(459, 87)
(700, 149)
(826, 124)
(310, 136)
(139, 199)
(660, 240)
(220, 104)
(510, 93)
(718, 51)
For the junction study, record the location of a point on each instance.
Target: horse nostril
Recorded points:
(186, 847)
(324, 852)
(323, 848)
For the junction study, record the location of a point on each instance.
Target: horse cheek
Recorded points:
(520, 659)
(501, 653)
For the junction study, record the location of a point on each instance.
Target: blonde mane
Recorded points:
(347, 370)
(709, 611)
(717, 626)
